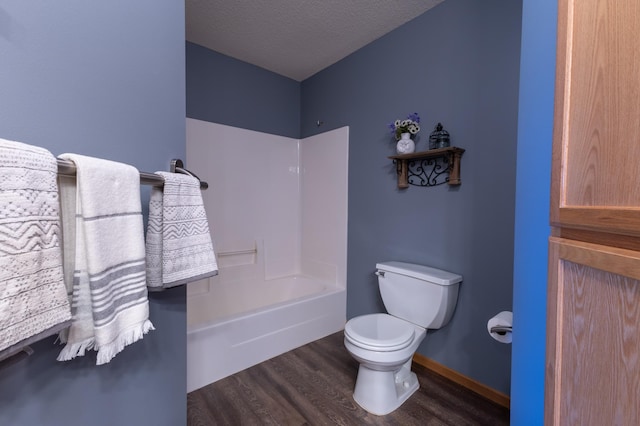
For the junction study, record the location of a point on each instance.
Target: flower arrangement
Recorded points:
(410, 125)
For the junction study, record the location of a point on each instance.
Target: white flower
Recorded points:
(409, 125)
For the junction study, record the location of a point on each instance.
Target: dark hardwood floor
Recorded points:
(313, 385)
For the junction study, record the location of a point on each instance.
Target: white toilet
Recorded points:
(417, 298)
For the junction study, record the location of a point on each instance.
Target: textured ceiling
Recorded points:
(295, 38)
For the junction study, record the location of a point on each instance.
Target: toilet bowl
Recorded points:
(384, 346)
(417, 298)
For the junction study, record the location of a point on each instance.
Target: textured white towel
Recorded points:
(105, 251)
(33, 299)
(179, 248)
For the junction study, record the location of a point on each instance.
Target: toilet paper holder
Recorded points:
(501, 329)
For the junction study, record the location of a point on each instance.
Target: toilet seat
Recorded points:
(379, 332)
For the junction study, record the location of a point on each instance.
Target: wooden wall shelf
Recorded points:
(423, 168)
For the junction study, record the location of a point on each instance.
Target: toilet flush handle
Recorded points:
(380, 273)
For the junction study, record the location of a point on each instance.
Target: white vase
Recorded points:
(405, 145)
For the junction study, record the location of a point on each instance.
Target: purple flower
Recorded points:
(409, 125)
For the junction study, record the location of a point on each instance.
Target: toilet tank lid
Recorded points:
(426, 273)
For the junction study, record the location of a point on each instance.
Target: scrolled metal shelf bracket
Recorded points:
(429, 168)
(428, 171)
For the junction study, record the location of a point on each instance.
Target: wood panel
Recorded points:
(606, 258)
(594, 347)
(601, 104)
(553, 397)
(601, 238)
(614, 220)
(592, 371)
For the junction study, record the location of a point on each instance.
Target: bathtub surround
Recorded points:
(178, 245)
(287, 197)
(104, 79)
(278, 208)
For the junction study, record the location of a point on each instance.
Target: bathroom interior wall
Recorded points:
(458, 64)
(224, 90)
(535, 135)
(89, 78)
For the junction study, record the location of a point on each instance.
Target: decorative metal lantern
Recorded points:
(439, 138)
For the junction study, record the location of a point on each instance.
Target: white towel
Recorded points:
(105, 251)
(179, 248)
(33, 298)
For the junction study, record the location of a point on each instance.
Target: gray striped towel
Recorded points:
(104, 258)
(179, 247)
(33, 300)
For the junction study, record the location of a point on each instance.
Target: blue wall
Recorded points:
(104, 79)
(457, 64)
(224, 90)
(535, 125)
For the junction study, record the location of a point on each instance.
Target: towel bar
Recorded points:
(236, 252)
(68, 168)
(177, 166)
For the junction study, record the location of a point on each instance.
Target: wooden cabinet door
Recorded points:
(593, 317)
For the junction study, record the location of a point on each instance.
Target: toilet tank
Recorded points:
(419, 294)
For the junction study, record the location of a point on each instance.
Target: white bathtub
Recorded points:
(266, 319)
